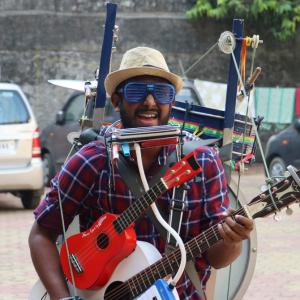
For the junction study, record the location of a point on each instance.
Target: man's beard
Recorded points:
(129, 122)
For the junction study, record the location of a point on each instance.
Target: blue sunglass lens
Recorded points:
(137, 91)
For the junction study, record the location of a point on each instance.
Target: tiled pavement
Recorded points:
(276, 275)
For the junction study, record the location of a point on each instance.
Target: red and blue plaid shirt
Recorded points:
(84, 191)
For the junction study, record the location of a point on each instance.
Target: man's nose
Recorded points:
(149, 100)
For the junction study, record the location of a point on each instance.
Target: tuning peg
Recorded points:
(289, 211)
(277, 217)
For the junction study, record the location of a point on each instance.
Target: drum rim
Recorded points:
(250, 266)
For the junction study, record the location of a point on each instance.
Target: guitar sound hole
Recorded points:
(117, 292)
(102, 241)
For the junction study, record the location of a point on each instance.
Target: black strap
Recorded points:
(177, 206)
(134, 183)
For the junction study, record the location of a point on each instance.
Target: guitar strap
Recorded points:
(134, 183)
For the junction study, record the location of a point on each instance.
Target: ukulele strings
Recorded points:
(86, 252)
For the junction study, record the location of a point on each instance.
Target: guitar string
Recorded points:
(160, 265)
(192, 245)
(89, 248)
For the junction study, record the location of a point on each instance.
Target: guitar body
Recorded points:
(143, 256)
(96, 252)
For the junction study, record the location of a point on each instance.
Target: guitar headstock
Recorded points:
(284, 193)
(182, 171)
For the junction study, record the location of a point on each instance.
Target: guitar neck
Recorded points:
(170, 262)
(139, 206)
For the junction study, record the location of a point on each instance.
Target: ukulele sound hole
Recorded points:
(102, 241)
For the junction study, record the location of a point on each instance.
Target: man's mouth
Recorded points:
(147, 118)
(147, 115)
(150, 114)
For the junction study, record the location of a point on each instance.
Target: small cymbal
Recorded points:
(77, 85)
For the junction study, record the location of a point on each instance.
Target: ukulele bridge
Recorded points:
(75, 263)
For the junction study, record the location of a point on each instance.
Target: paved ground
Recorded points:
(277, 271)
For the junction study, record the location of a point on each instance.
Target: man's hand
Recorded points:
(234, 230)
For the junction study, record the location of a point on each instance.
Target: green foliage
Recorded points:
(279, 17)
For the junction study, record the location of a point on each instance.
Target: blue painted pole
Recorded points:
(231, 93)
(104, 65)
(98, 116)
(232, 81)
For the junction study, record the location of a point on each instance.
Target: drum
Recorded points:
(231, 283)
(208, 123)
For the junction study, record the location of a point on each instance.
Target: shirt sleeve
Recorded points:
(73, 184)
(215, 200)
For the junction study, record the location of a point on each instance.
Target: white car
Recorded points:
(21, 167)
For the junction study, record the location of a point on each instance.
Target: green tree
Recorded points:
(279, 17)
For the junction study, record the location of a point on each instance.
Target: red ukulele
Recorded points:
(95, 253)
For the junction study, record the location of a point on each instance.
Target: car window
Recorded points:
(12, 108)
(189, 95)
(74, 110)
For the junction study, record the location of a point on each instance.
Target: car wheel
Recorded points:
(48, 168)
(31, 199)
(277, 167)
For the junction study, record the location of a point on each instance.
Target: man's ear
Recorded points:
(115, 100)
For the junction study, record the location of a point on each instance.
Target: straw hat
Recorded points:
(141, 61)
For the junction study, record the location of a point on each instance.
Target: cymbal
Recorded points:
(77, 85)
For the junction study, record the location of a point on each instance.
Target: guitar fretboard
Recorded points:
(138, 207)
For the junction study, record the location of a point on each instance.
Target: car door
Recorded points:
(294, 145)
(61, 146)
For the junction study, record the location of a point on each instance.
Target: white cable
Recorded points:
(160, 219)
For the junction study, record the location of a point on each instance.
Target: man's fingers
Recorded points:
(246, 222)
(236, 230)
(227, 233)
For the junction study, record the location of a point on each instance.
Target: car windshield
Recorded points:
(12, 108)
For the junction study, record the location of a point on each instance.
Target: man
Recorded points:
(84, 189)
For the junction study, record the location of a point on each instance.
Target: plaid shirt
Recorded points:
(84, 190)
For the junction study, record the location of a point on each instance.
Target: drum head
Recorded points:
(233, 281)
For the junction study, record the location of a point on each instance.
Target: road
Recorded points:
(277, 270)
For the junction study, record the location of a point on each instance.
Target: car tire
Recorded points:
(31, 199)
(48, 167)
(277, 167)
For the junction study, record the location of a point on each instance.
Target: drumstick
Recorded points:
(249, 83)
(254, 76)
